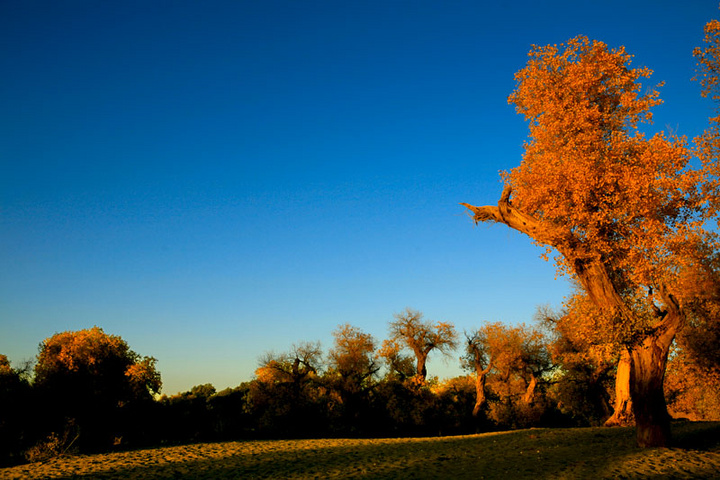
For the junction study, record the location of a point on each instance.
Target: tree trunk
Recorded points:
(529, 395)
(421, 368)
(480, 390)
(646, 388)
(623, 414)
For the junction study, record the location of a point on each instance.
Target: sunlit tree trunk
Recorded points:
(529, 395)
(622, 414)
(480, 399)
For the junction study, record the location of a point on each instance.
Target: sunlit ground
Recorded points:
(536, 453)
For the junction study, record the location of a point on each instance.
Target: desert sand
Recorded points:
(578, 453)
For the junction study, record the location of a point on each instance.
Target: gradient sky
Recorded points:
(213, 180)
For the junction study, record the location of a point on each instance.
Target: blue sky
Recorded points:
(213, 180)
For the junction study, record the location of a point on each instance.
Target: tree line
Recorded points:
(89, 392)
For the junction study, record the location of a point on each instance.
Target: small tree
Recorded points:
(422, 337)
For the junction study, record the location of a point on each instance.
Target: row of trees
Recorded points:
(89, 391)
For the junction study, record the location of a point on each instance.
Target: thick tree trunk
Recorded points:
(646, 387)
(623, 414)
(421, 368)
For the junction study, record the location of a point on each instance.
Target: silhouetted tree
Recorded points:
(91, 378)
(286, 398)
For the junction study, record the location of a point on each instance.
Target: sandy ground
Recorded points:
(536, 453)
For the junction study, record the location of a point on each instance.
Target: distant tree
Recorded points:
(692, 388)
(186, 416)
(230, 410)
(481, 351)
(286, 398)
(693, 373)
(353, 355)
(91, 377)
(351, 374)
(514, 355)
(422, 337)
(300, 363)
(623, 211)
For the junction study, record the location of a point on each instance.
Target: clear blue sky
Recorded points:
(213, 180)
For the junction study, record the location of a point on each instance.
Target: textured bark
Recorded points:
(480, 378)
(649, 359)
(622, 414)
(646, 386)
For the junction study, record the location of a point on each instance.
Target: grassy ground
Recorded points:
(534, 454)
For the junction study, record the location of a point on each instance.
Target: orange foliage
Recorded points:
(692, 390)
(81, 350)
(95, 353)
(5, 368)
(354, 353)
(587, 172)
(708, 144)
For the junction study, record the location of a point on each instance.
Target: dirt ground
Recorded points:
(532, 454)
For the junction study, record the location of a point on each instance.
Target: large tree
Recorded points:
(622, 210)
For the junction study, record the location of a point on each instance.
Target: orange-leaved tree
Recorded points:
(508, 351)
(621, 210)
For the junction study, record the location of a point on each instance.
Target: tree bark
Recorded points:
(421, 367)
(529, 395)
(623, 414)
(480, 378)
(647, 376)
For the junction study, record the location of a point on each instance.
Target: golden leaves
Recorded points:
(587, 169)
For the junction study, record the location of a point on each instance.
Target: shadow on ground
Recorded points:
(535, 453)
